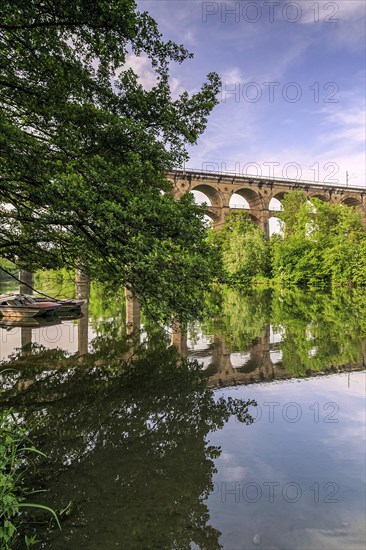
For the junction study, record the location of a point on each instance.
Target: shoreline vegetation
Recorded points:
(321, 245)
(18, 458)
(90, 191)
(10, 269)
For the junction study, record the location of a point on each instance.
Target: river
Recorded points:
(248, 433)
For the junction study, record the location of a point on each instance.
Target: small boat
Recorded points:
(67, 304)
(17, 306)
(67, 309)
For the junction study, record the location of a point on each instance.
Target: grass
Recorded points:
(17, 455)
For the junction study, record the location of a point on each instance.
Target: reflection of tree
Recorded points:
(129, 441)
(321, 330)
(242, 317)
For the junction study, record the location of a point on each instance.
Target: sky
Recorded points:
(292, 102)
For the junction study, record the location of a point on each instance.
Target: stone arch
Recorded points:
(278, 197)
(201, 198)
(321, 196)
(253, 198)
(256, 220)
(351, 201)
(211, 193)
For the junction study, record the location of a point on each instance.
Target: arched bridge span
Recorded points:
(258, 192)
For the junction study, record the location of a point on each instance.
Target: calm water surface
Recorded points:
(252, 436)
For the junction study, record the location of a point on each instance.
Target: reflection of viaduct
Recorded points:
(259, 368)
(221, 372)
(258, 192)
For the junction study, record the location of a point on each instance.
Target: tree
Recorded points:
(243, 247)
(323, 243)
(84, 150)
(292, 215)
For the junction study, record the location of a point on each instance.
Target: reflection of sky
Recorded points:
(276, 356)
(313, 450)
(199, 341)
(239, 359)
(276, 334)
(63, 335)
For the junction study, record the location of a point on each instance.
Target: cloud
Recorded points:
(343, 22)
(305, 52)
(331, 13)
(233, 75)
(141, 65)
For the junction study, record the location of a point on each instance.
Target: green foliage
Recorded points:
(244, 251)
(16, 454)
(294, 213)
(319, 329)
(10, 267)
(85, 149)
(240, 317)
(323, 243)
(55, 277)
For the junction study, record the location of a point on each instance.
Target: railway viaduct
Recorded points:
(219, 187)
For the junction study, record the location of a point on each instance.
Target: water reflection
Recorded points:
(138, 424)
(281, 334)
(251, 338)
(127, 440)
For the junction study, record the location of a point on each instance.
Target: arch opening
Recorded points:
(253, 199)
(275, 226)
(201, 198)
(240, 359)
(352, 201)
(206, 194)
(208, 220)
(238, 201)
(280, 196)
(275, 205)
(322, 198)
